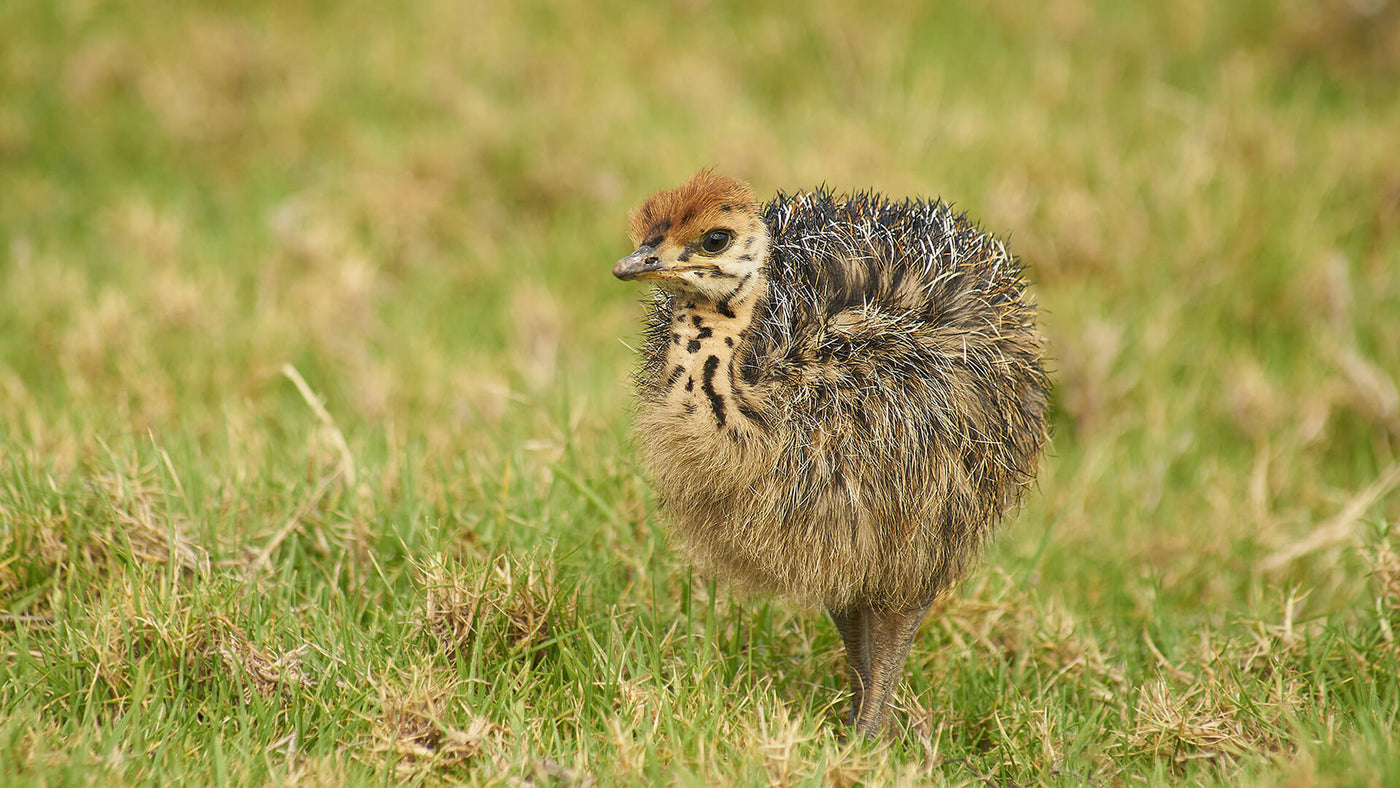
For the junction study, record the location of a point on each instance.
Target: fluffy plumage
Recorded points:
(842, 404)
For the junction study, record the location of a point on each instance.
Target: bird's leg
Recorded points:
(854, 625)
(891, 633)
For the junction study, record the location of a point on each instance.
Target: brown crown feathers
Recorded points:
(706, 200)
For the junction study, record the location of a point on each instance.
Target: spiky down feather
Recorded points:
(893, 386)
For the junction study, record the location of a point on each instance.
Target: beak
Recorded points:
(638, 264)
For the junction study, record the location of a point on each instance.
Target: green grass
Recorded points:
(314, 404)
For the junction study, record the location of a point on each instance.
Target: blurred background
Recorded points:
(416, 207)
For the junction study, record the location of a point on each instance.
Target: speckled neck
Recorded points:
(705, 336)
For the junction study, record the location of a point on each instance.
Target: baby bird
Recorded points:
(840, 398)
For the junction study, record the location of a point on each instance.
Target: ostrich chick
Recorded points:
(840, 398)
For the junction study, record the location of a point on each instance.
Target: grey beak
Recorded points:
(642, 261)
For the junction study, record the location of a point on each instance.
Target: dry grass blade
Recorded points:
(1340, 528)
(138, 523)
(1383, 559)
(519, 599)
(414, 727)
(262, 671)
(1184, 726)
(134, 623)
(347, 460)
(262, 559)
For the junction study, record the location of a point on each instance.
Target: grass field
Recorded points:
(314, 460)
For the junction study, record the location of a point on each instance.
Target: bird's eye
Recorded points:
(715, 241)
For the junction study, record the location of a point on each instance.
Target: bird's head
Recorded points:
(704, 238)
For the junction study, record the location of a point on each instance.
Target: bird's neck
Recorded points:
(701, 374)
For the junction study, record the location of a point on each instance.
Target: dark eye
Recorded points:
(715, 241)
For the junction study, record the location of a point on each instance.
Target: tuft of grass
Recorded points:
(313, 392)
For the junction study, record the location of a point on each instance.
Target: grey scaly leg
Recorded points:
(891, 633)
(854, 626)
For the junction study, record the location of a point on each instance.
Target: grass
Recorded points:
(313, 410)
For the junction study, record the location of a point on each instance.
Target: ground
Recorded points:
(314, 464)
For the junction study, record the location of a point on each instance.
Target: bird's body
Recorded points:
(840, 399)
